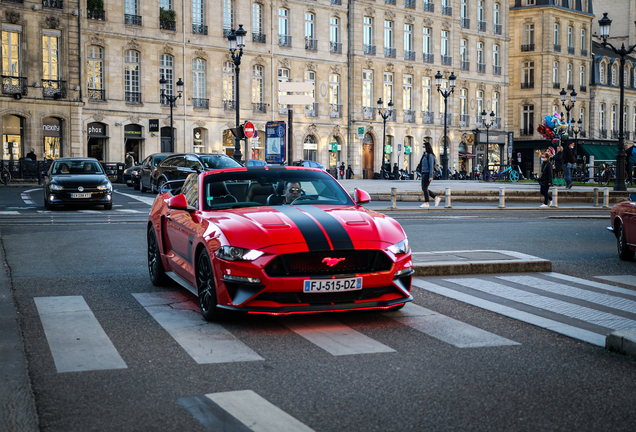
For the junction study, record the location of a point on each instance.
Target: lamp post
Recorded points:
(171, 100)
(604, 25)
(576, 130)
(487, 125)
(568, 106)
(236, 39)
(385, 113)
(445, 94)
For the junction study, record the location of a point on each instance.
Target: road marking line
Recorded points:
(257, 413)
(211, 416)
(205, 342)
(592, 284)
(447, 329)
(536, 320)
(9, 212)
(624, 279)
(145, 200)
(76, 339)
(335, 338)
(26, 198)
(128, 211)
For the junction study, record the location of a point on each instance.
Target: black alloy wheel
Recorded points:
(207, 289)
(156, 271)
(624, 252)
(160, 184)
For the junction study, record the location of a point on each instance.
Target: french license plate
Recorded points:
(80, 195)
(332, 285)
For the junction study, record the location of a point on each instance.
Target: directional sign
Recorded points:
(293, 99)
(248, 130)
(296, 87)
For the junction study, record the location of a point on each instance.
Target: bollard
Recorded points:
(502, 197)
(393, 198)
(448, 198)
(555, 197)
(606, 198)
(595, 197)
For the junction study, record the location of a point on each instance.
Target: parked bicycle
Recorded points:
(5, 175)
(512, 173)
(607, 175)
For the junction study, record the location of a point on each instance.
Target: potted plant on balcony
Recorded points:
(167, 19)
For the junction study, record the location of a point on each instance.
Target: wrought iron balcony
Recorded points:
(409, 55)
(447, 60)
(336, 2)
(259, 37)
(496, 70)
(311, 110)
(602, 133)
(259, 107)
(583, 52)
(614, 134)
(226, 31)
(228, 105)
(571, 50)
(13, 1)
(335, 111)
(464, 120)
(556, 85)
(527, 132)
(447, 120)
(557, 47)
(582, 134)
(527, 47)
(335, 47)
(390, 2)
(481, 26)
(479, 121)
(133, 20)
(497, 29)
(570, 86)
(410, 4)
(409, 116)
(428, 6)
(96, 14)
(12, 85)
(311, 44)
(389, 52)
(55, 4)
(283, 110)
(369, 49)
(167, 25)
(368, 113)
(199, 29)
(428, 58)
(466, 23)
(54, 89)
(198, 103)
(96, 94)
(284, 40)
(447, 10)
(133, 97)
(481, 67)
(496, 124)
(428, 117)
(583, 89)
(527, 85)
(465, 66)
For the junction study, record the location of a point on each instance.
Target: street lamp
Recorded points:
(570, 105)
(445, 94)
(385, 113)
(236, 39)
(487, 125)
(604, 25)
(171, 100)
(576, 130)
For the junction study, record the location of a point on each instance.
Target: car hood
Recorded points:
(311, 227)
(75, 180)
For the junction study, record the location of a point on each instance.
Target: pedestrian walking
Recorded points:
(342, 171)
(129, 161)
(349, 172)
(426, 167)
(559, 166)
(569, 157)
(545, 180)
(31, 155)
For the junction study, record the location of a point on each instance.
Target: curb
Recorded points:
(622, 342)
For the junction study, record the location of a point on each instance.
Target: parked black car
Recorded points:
(148, 166)
(180, 166)
(131, 176)
(73, 181)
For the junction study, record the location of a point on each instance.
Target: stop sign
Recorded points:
(248, 130)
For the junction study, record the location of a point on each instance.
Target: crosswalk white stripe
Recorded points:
(447, 329)
(143, 199)
(564, 308)
(9, 212)
(204, 342)
(334, 337)
(610, 301)
(592, 284)
(76, 339)
(128, 211)
(539, 321)
(257, 413)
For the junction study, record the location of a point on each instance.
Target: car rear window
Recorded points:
(218, 162)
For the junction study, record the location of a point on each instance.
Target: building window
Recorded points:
(228, 17)
(131, 7)
(480, 103)
(527, 77)
(556, 35)
(496, 19)
(408, 40)
(481, 20)
(198, 17)
(368, 110)
(283, 22)
(283, 76)
(310, 34)
(228, 85)
(495, 109)
(601, 119)
(334, 30)
(601, 73)
(481, 64)
(463, 14)
(614, 119)
(528, 37)
(426, 95)
(389, 50)
(131, 77)
(51, 58)
(582, 81)
(582, 118)
(11, 54)
(257, 88)
(334, 96)
(571, 39)
(368, 31)
(426, 45)
(495, 60)
(569, 77)
(583, 42)
(527, 120)
(198, 79)
(257, 23)
(407, 92)
(463, 107)
(444, 45)
(614, 82)
(95, 72)
(555, 75)
(463, 54)
(166, 72)
(310, 110)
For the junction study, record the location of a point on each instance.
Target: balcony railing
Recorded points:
(570, 86)
(167, 25)
(447, 60)
(259, 37)
(335, 47)
(428, 6)
(496, 70)
(571, 50)
(311, 44)
(527, 132)
(226, 32)
(481, 26)
(447, 120)
(466, 23)
(428, 58)
(14, 85)
(311, 110)
(284, 40)
(626, 135)
(602, 133)
(390, 2)
(527, 47)
(557, 47)
(368, 113)
(583, 52)
(464, 120)
(497, 29)
(198, 103)
(409, 116)
(133, 20)
(479, 121)
(527, 85)
(410, 4)
(428, 117)
(582, 134)
(259, 107)
(447, 10)
(389, 52)
(614, 134)
(335, 111)
(199, 29)
(56, 4)
(96, 14)
(54, 89)
(496, 124)
(556, 85)
(228, 105)
(283, 110)
(481, 67)
(583, 89)
(133, 97)
(96, 94)
(336, 2)
(465, 66)
(369, 49)
(409, 55)
(13, 1)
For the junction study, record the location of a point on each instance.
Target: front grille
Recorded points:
(327, 298)
(311, 263)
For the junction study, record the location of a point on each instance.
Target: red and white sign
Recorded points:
(249, 130)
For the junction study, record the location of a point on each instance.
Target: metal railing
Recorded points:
(602, 133)
(497, 29)
(447, 10)
(259, 37)
(465, 23)
(570, 86)
(56, 4)
(335, 111)
(583, 52)
(12, 85)
(229, 105)
(447, 120)
(96, 14)
(464, 120)
(428, 117)
(571, 50)
(199, 103)
(133, 20)
(409, 116)
(133, 97)
(479, 121)
(481, 67)
(527, 47)
(369, 49)
(311, 44)
(96, 94)
(583, 89)
(336, 2)
(389, 52)
(527, 85)
(527, 132)
(283, 110)
(409, 55)
(199, 29)
(390, 2)
(447, 60)
(496, 70)
(464, 65)
(167, 25)
(311, 110)
(55, 89)
(428, 58)
(428, 6)
(259, 107)
(335, 47)
(410, 4)
(481, 26)
(226, 31)
(368, 113)
(556, 85)
(557, 47)
(284, 40)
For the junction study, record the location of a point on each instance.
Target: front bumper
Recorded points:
(64, 198)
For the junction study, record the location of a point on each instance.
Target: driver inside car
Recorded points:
(292, 191)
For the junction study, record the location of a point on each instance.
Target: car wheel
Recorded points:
(142, 188)
(136, 186)
(160, 184)
(157, 273)
(624, 252)
(207, 289)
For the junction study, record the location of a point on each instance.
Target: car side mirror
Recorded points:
(360, 196)
(178, 202)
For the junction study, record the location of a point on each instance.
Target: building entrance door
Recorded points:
(367, 156)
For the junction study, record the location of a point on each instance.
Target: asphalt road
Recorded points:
(401, 378)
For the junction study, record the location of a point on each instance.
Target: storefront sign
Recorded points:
(153, 125)
(360, 132)
(407, 149)
(388, 149)
(132, 131)
(96, 130)
(51, 127)
(275, 142)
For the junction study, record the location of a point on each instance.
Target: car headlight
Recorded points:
(135, 172)
(105, 186)
(400, 248)
(231, 253)
(56, 187)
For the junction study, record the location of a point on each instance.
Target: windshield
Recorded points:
(77, 167)
(218, 162)
(272, 188)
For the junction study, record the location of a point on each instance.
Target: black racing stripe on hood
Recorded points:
(338, 235)
(315, 238)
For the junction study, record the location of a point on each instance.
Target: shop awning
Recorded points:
(601, 153)
(467, 155)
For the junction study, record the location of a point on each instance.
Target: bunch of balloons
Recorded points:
(553, 128)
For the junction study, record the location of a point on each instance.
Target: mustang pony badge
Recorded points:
(332, 261)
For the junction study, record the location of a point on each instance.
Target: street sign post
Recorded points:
(291, 99)
(275, 142)
(249, 130)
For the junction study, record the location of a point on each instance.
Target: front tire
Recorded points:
(142, 188)
(624, 252)
(156, 270)
(206, 288)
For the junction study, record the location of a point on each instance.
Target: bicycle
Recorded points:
(608, 175)
(5, 175)
(508, 174)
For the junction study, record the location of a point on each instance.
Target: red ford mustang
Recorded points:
(277, 240)
(623, 225)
